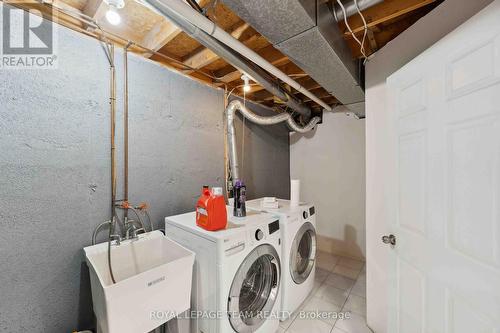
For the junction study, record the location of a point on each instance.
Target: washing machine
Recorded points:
(298, 256)
(237, 272)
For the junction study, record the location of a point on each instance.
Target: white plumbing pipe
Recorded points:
(200, 21)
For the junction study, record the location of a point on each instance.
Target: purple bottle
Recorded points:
(239, 191)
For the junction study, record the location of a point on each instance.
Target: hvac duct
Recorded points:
(236, 60)
(307, 32)
(182, 10)
(237, 105)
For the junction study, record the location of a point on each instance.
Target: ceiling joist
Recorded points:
(275, 57)
(205, 57)
(163, 32)
(172, 47)
(383, 12)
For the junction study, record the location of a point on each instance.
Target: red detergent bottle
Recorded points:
(211, 211)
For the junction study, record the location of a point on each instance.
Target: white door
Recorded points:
(446, 183)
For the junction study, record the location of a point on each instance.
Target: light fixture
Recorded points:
(112, 15)
(246, 86)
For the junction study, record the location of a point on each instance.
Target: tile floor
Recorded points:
(340, 287)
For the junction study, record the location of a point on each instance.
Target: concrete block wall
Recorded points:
(55, 166)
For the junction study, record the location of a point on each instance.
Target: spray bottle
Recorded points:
(239, 191)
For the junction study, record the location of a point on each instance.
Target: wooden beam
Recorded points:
(163, 33)
(205, 57)
(95, 8)
(289, 68)
(385, 11)
(275, 57)
(320, 94)
(371, 40)
(39, 9)
(160, 35)
(388, 33)
(306, 82)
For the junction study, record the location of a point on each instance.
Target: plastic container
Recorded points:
(211, 213)
(239, 209)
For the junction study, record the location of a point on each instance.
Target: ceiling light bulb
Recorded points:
(246, 86)
(113, 17)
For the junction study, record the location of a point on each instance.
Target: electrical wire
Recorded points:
(365, 33)
(362, 48)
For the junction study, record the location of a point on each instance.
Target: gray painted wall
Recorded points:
(54, 170)
(264, 174)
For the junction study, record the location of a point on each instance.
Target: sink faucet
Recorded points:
(132, 231)
(117, 238)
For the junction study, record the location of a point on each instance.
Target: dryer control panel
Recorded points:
(264, 232)
(309, 212)
(274, 226)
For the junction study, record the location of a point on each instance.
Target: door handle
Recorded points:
(391, 239)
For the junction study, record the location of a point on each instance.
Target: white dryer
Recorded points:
(298, 256)
(237, 272)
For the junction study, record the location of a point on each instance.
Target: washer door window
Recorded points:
(303, 253)
(254, 289)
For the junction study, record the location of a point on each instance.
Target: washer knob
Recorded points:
(259, 235)
(305, 214)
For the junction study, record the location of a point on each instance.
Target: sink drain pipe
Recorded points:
(237, 105)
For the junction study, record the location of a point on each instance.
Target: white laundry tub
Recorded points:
(153, 283)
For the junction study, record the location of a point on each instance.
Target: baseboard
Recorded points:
(339, 247)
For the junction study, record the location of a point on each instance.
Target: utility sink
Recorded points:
(153, 283)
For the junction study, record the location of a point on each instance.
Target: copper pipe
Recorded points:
(125, 127)
(112, 102)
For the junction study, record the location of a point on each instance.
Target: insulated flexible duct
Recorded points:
(256, 73)
(237, 105)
